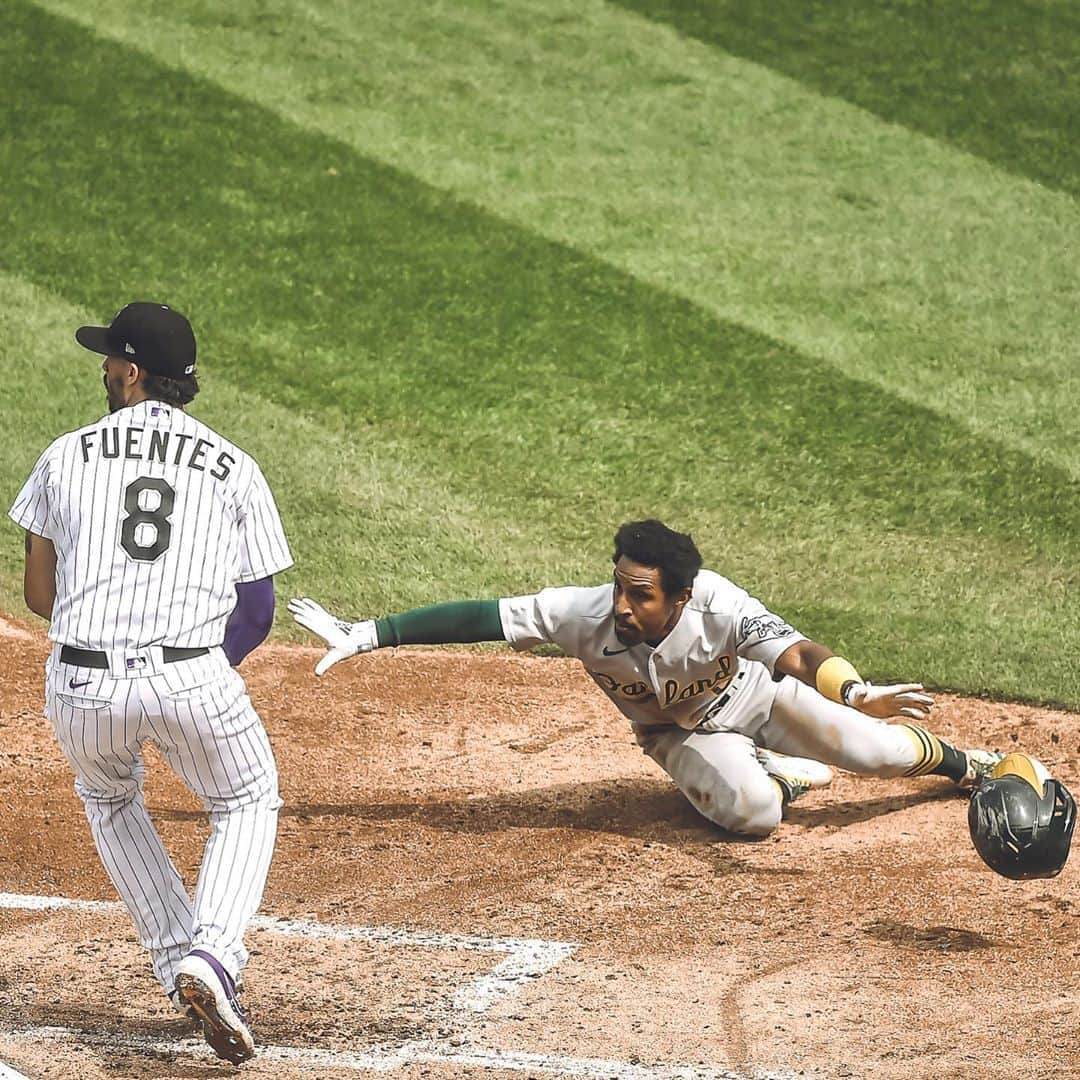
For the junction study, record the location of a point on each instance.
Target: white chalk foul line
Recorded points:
(587, 1068)
(8, 1073)
(528, 958)
(387, 1058)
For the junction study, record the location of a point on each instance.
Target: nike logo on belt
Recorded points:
(614, 652)
(77, 685)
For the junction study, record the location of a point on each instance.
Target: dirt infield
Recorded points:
(500, 797)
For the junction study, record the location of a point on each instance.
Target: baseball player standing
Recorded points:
(151, 542)
(698, 667)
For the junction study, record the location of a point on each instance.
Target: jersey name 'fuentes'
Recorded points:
(155, 518)
(155, 445)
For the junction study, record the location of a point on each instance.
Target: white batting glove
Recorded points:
(902, 699)
(343, 639)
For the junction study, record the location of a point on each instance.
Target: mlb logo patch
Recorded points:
(135, 662)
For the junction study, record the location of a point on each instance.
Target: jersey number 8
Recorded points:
(157, 519)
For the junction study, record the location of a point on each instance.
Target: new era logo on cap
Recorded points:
(154, 336)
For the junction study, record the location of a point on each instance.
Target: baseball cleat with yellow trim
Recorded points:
(981, 765)
(794, 775)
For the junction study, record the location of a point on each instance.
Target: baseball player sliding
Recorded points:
(697, 666)
(151, 542)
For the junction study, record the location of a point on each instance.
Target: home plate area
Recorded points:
(484, 876)
(417, 999)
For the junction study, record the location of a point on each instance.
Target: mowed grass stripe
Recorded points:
(369, 536)
(335, 494)
(999, 78)
(537, 390)
(891, 256)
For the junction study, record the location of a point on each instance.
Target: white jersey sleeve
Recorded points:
(31, 509)
(760, 635)
(264, 551)
(564, 616)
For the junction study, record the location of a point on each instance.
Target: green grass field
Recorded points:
(475, 282)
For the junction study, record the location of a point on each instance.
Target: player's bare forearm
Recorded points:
(39, 575)
(839, 681)
(802, 660)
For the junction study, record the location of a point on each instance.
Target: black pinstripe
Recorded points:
(230, 767)
(114, 598)
(223, 531)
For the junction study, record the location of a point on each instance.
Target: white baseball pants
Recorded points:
(718, 770)
(198, 713)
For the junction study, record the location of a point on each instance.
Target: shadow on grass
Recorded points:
(444, 329)
(462, 327)
(999, 79)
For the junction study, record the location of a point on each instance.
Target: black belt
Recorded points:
(91, 658)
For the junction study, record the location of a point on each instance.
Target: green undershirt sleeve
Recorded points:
(458, 622)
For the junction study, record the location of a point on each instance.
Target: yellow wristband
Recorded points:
(833, 675)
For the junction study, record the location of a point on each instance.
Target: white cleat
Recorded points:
(205, 987)
(797, 775)
(981, 764)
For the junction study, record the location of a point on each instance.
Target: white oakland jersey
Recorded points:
(723, 637)
(155, 518)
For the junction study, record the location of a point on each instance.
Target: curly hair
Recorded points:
(171, 391)
(652, 543)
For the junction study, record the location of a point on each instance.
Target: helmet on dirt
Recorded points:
(1021, 819)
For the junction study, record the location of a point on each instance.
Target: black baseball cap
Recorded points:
(153, 336)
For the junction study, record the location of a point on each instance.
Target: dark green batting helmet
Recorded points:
(1021, 820)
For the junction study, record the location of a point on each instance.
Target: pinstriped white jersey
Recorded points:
(155, 518)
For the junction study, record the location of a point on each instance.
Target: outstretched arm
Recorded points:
(835, 678)
(457, 622)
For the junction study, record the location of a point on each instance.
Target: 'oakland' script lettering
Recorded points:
(673, 692)
(615, 688)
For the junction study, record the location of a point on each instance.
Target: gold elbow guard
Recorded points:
(833, 675)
